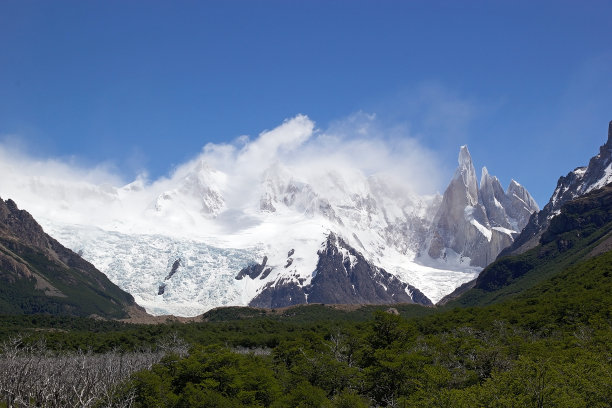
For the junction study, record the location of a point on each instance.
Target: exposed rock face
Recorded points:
(253, 271)
(493, 198)
(478, 222)
(284, 293)
(42, 276)
(461, 195)
(175, 265)
(576, 183)
(342, 276)
(520, 204)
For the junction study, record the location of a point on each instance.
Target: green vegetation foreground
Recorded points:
(548, 347)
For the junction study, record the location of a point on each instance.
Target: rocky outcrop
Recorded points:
(576, 183)
(175, 265)
(285, 292)
(254, 270)
(519, 205)
(342, 276)
(493, 199)
(478, 222)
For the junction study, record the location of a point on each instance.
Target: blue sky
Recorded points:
(145, 85)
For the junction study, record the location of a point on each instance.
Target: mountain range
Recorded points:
(339, 236)
(179, 245)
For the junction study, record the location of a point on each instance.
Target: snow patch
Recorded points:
(606, 179)
(469, 216)
(506, 231)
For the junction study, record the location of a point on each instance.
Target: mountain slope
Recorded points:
(597, 174)
(39, 275)
(582, 230)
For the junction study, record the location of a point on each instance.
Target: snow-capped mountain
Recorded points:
(342, 276)
(477, 223)
(266, 224)
(198, 191)
(576, 183)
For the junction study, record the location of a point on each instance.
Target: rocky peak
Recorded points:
(467, 174)
(493, 199)
(478, 222)
(465, 158)
(597, 174)
(514, 187)
(575, 184)
(484, 176)
(21, 225)
(519, 192)
(520, 205)
(342, 276)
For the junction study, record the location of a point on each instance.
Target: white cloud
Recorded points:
(355, 146)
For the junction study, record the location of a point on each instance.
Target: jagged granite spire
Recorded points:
(520, 205)
(478, 222)
(467, 174)
(493, 198)
(456, 225)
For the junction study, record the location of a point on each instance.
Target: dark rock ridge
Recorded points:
(39, 275)
(175, 265)
(342, 276)
(577, 220)
(478, 222)
(254, 270)
(575, 184)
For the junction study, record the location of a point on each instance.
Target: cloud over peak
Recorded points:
(348, 152)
